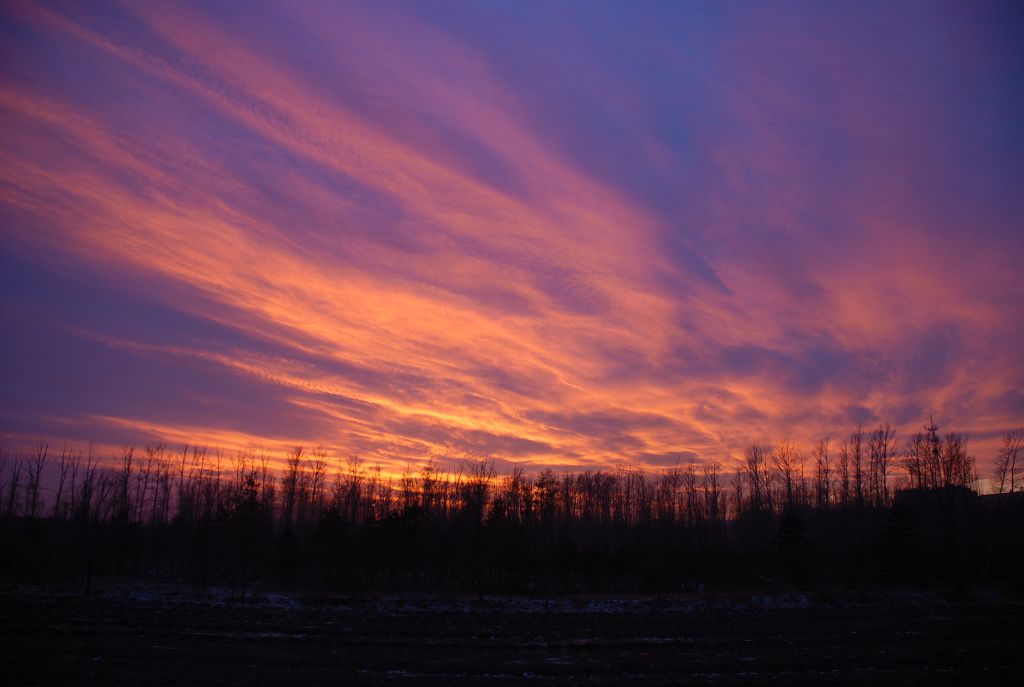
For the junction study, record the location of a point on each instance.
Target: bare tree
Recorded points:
(1009, 462)
(318, 479)
(430, 487)
(142, 485)
(124, 483)
(881, 446)
(786, 462)
(755, 470)
(351, 496)
(84, 505)
(844, 473)
(915, 460)
(290, 485)
(823, 474)
(476, 488)
(933, 456)
(693, 514)
(35, 473)
(857, 463)
(63, 472)
(737, 493)
(710, 483)
(17, 464)
(957, 465)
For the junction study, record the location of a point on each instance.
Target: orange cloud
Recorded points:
(409, 307)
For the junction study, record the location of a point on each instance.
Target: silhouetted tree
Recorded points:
(290, 486)
(230, 519)
(881, 447)
(822, 475)
(856, 459)
(786, 462)
(35, 473)
(755, 471)
(1008, 467)
(844, 474)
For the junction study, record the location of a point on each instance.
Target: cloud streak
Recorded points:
(363, 213)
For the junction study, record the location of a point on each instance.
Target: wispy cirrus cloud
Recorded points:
(711, 236)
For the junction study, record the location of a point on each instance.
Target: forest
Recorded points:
(867, 512)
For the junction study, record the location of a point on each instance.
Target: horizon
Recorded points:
(226, 462)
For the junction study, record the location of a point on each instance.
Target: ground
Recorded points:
(163, 635)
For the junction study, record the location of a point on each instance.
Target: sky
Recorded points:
(571, 234)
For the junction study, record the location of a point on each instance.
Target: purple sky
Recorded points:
(551, 233)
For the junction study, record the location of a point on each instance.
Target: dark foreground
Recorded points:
(167, 637)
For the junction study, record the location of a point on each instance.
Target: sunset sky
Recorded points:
(569, 234)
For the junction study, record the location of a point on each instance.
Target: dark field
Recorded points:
(170, 638)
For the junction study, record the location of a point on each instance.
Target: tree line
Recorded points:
(866, 510)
